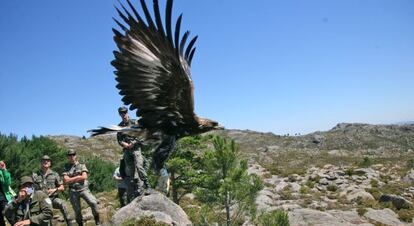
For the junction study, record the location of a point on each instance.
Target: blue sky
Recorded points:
(292, 66)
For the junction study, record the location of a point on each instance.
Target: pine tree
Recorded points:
(226, 183)
(185, 166)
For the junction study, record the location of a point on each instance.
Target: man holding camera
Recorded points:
(31, 207)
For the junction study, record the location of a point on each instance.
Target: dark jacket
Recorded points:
(38, 209)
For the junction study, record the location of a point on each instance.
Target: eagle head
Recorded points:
(205, 125)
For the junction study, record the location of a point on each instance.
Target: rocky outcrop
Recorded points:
(304, 217)
(397, 201)
(157, 205)
(333, 196)
(383, 217)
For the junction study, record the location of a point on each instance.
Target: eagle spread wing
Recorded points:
(153, 69)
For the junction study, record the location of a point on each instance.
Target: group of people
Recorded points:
(38, 194)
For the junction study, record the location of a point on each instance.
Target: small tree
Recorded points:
(185, 166)
(225, 182)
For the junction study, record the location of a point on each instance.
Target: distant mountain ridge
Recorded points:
(348, 136)
(344, 136)
(405, 122)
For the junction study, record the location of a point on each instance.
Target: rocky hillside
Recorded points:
(353, 174)
(352, 137)
(105, 147)
(344, 136)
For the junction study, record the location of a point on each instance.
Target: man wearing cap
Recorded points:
(135, 162)
(76, 175)
(31, 207)
(50, 183)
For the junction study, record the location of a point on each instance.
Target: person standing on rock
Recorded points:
(76, 175)
(135, 162)
(50, 183)
(121, 185)
(31, 207)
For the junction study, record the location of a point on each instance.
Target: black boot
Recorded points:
(97, 222)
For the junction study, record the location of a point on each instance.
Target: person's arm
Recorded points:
(46, 212)
(118, 178)
(117, 175)
(4, 174)
(10, 212)
(59, 186)
(79, 178)
(121, 141)
(119, 138)
(7, 177)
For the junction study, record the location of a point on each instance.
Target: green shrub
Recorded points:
(374, 183)
(366, 161)
(144, 221)
(310, 184)
(23, 156)
(304, 189)
(332, 187)
(349, 171)
(374, 192)
(410, 163)
(286, 193)
(274, 218)
(100, 175)
(406, 215)
(361, 211)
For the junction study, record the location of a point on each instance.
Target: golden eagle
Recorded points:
(153, 74)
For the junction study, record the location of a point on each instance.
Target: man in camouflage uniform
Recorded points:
(31, 207)
(50, 183)
(135, 162)
(76, 174)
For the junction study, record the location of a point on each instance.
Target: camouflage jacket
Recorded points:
(122, 137)
(38, 209)
(49, 181)
(73, 170)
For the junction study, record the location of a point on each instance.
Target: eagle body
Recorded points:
(153, 74)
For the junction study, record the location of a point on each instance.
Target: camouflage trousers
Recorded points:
(161, 154)
(89, 199)
(136, 170)
(122, 196)
(58, 203)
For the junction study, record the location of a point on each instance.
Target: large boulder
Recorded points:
(359, 194)
(305, 217)
(398, 201)
(409, 178)
(157, 205)
(383, 217)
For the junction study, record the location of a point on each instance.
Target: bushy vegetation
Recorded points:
(410, 163)
(210, 167)
(144, 221)
(185, 165)
(225, 184)
(274, 218)
(100, 175)
(23, 156)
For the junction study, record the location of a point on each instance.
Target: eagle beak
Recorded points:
(219, 127)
